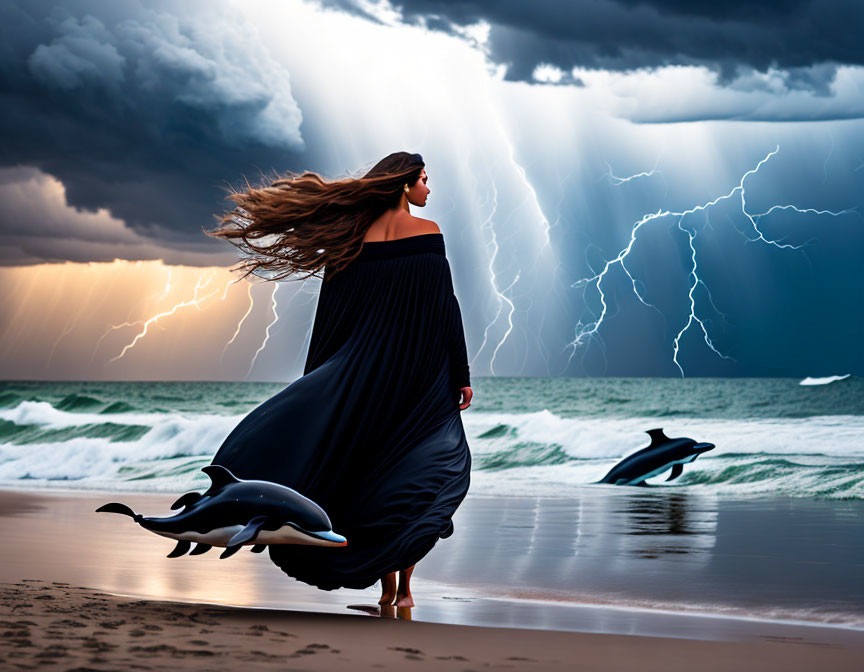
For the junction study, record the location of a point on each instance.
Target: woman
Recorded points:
(372, 431)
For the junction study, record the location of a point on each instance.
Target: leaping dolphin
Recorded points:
(234, 512)
(662, 453)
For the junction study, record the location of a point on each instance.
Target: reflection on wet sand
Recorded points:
(577, 546)
(677, 523)
(383, 611)
(511, 561)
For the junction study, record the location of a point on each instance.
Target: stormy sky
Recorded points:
(549, 129)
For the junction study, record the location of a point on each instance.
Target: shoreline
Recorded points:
(54, 622)
(95, 592)
(444, 588)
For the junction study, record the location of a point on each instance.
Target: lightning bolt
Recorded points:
(509, 322)
(523, 176)
(301, 290)
(227, 285)
(541, 346)
(113, 327)
(167, 289)
(493, 279)
(583, 331)
(618, 181)
(310, 323)
(67, 330)
(242, 320)
(267, 330)
(127, 323)
(71, 325)
(488, 225)
(194, 301)
(691, 235)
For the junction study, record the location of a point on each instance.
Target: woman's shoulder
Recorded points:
(422, 226)
(405, 226)
(429, 245)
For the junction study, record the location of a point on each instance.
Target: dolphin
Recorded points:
(235, 512)
(661, 454)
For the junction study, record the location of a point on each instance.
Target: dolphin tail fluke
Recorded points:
(181, 548)
(676, 471)
(200, 548)
(117, 507)
(259, 548)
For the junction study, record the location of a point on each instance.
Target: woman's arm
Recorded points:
(458, 351)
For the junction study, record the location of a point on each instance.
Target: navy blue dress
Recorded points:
(372, 431)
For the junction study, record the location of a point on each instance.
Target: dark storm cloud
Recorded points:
(143, 108)
(629, 34)
(38, 225)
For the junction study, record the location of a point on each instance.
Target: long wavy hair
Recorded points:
(302, 223)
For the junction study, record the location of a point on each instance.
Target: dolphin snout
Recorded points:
(703, 447)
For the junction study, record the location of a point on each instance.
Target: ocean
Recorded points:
(766, 526)
(535, 437)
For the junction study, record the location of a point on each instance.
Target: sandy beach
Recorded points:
(77, 628)
(88, 591)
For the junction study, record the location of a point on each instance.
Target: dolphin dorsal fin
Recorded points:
(657, 436)
(219, 477)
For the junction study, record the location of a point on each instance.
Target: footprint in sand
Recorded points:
(70, 623)
(263, 654)
(406, 649)
(112, 625)
(172, 650)
(98, 646)
(53, 651)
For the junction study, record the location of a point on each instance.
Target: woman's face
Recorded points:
(418, 192)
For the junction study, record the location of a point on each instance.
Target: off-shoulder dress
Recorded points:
(372, 431)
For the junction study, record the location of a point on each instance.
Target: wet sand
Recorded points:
(80, 564)
(78, 628)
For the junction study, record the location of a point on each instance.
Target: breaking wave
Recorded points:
(536, 453)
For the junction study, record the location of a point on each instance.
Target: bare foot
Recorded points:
(388, 588)
(403, 592)
(404, 600)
